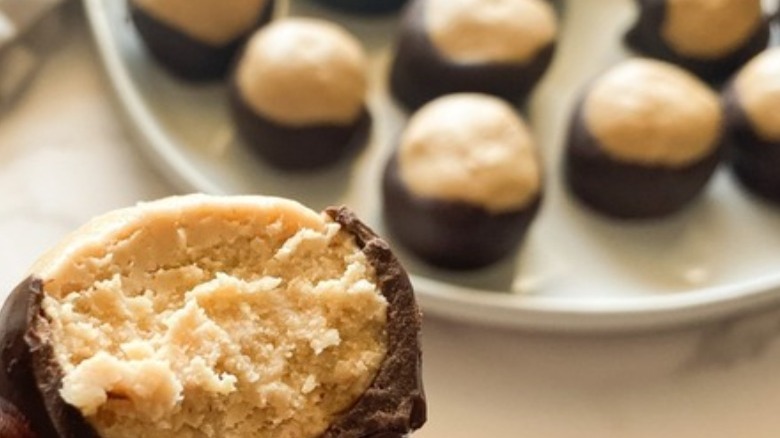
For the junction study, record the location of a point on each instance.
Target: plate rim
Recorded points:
(554, 314)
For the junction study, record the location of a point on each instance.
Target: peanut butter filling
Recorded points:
(214, 22)
(653, 113)
(710, 28)
(302, 72)
(758, 89)
(205, 317)
(470, 148)
(496, 31)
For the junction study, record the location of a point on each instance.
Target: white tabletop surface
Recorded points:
(65, 157)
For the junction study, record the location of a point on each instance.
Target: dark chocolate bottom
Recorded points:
(365, 6)
(187, 57)
(453, 235)
(755, 161)
(29, 377)
(645, 37)
(626, 190)
(420, 73)
(12, 423)
(394, 405)
(298, 148)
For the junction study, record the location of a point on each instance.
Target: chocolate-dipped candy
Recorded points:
(752, 102)
(498, 47)
(644, 140)
(298, 94)
(365, 6)
(215, 317)
(465, 182)
(197, 39)
(711, 38)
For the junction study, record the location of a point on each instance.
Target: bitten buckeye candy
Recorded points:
(644, 140)
(299, 93)
(711, 38)
(500, 47)
(215, 317)
(752, 103)
(465, 183)
(197, 39)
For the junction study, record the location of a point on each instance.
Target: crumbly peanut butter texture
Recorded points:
(215, 22)
(213, 317)
(650, 112)
(710, 29)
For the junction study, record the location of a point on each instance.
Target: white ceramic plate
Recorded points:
(577, 271)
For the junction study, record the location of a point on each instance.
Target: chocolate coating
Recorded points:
(365, 6)
(420, 73)
(754, 160)
(645, 37)
(185, 56)
(29, 378)
(295, 147)
(627, 190)
(12, 423)
(392, 406)
(453, 235)
(17, 379)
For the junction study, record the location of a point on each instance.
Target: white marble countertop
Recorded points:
(65, 157)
